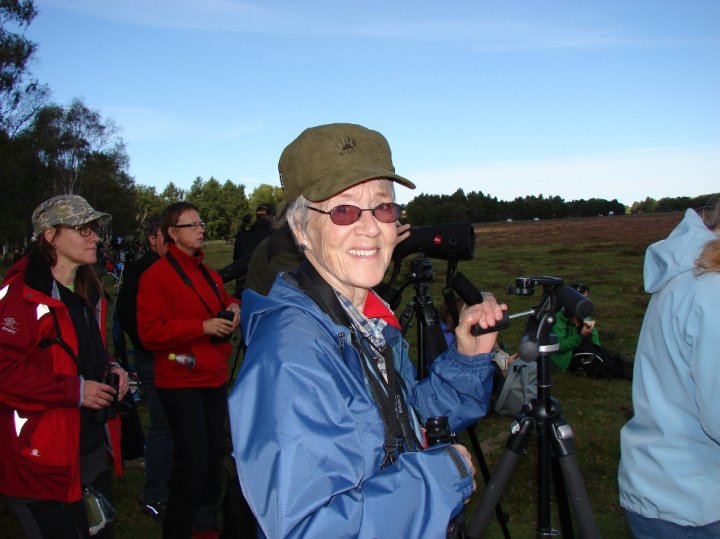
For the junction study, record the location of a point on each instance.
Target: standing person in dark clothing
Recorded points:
(158, 440)
(247, 240)
(243, 228)
(184, 313)
(278, 252)
(54, 402)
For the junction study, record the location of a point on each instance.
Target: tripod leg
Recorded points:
(515, 447)
(578, 497)
(574, 484)
(502, 516)
(561, 497)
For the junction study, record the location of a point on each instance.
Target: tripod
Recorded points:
(543, 416)
(430, 343)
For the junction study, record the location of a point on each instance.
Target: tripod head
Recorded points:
(537, 338)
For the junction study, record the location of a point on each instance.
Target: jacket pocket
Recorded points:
(50, 437)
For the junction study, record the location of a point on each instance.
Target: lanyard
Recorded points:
(389, 397)
(175, 264)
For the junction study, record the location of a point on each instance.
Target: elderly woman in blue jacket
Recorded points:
(327, 413)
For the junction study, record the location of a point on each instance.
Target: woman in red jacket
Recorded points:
(53, 399)
(183, 311)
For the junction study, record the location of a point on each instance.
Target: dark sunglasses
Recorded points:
(345, 214)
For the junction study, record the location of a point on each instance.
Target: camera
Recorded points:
(109, 412)
(225, 315)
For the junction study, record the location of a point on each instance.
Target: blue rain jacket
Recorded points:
(670, 460)
(308, 437)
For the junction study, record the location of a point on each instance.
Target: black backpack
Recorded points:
(600, 363)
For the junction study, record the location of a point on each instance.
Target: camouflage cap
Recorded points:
(70, 210)
(325, 160)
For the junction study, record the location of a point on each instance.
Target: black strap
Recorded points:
(388, 395)
(45, 342)
(309, 281)
(399, 434)
(213, 285)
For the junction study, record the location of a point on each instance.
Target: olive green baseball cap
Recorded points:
(70, 210)
(328, 159)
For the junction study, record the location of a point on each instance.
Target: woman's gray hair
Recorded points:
(298, 214)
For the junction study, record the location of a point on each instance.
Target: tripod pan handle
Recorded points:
(502, 324)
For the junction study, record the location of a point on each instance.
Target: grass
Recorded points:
(605, 253)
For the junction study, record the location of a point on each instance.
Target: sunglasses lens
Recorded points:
(387, 213)
(344, 214)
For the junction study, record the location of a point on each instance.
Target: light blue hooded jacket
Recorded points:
(308, 437)
(670, 449)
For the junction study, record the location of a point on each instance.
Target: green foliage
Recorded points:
(21, 190)
(219, 206)
(147, 204)
(68, 138)
(650, 205)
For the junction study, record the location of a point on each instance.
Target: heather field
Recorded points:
(605, 253)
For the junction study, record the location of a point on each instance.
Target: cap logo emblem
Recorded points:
(346, 143)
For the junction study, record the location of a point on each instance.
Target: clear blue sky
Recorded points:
(604, 98)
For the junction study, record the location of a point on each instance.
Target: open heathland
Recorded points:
(606, 254)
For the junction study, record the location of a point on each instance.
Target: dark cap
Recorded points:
(70, 210)
(328, 159)
(265, 209)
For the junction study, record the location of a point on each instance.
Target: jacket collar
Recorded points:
(38, 275)
(185, 259)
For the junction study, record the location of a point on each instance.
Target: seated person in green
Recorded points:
(580, 348)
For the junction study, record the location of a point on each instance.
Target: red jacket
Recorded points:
(170, 319)
(40, 390)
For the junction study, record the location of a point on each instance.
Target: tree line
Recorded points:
(48, 149)
(477, 207)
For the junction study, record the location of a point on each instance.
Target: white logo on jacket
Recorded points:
(10, 325)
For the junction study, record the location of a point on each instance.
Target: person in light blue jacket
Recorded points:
(327, 411)
(669, 475)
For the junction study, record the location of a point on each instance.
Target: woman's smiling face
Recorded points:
(351, 258)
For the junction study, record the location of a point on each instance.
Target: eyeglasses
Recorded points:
(192, 226)
(85, 231)
(345, 214)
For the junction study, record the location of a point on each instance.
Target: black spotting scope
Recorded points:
(446, 241)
